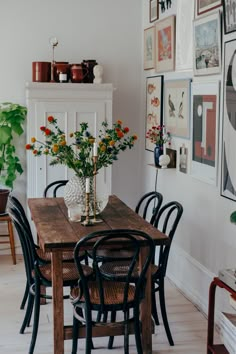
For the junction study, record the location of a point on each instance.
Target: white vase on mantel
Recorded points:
(164, 160)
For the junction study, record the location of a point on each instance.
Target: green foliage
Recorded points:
(12, 117)
(233, 217)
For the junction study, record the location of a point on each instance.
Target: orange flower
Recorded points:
(112, 143)
(103, 148)
(28, 146)
(55, 148)
(71, 135)
(51, 119)
(120, 134)
(47, 131)
(91, 140)
(135, 137)
(119, 122)
(33, 140)
(62, 143)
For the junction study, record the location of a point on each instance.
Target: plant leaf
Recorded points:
(233, 217)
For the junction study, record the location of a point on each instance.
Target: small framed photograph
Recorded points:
(177, 107)
(228, 165)
(204, 6)
(229, 15)
(183, 159)
(154, 106)
(149, 48)
(165, 44)
(207, 45)
(153, 10)
(205, 121)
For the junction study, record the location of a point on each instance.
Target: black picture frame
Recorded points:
(228, 18)
(153, 10)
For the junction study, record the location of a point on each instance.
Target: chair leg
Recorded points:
(111, 338)
(26, 293)
(137, 331)
(163, 312)
(154, 306)
(75, 335)
(28, 313)
(88, 318)
(126, 336)
(36, 317)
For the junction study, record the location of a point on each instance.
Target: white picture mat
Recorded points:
(202, 171)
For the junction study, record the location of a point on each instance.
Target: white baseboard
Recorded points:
(191, 277)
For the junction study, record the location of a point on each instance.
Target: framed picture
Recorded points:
(165, 44)
(154, 106)
(207, 5)
(183, 159)
(228, 165)
(229, 15)
(153, 10)
(205, 113)
(207, 45)
(149, 48)
(177, 107)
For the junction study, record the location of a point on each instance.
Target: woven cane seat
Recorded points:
(113, 293)
(121, 268)
(46, 256)
(69, 272)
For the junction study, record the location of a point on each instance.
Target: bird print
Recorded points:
(171, 107)
(181, 106)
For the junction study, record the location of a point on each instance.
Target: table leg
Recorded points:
(211, 315)
(146, 311)
(58, 310)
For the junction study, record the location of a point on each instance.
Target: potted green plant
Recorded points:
(12, 117)
(233, 217)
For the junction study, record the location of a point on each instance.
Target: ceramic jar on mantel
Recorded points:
(158, 151)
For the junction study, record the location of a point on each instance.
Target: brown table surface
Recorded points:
(56, 234)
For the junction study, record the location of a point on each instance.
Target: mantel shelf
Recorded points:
(160, 168)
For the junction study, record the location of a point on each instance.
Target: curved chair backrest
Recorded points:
(54, 186)
(149, 204)
(108, 239)
(167, 220)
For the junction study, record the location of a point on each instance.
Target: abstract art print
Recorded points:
(205, 112)
(154, 106)
(228, 165)
(165, 44)
(177, 107)
(207, 45)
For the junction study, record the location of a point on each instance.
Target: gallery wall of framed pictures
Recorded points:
(201, 123)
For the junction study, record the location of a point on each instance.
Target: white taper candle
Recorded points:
(95, 149)
(87, 185)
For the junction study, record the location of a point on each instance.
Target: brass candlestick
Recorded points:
(95, 220)
(87, 221)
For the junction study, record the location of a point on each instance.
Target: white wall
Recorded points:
(109, 31)
(205, 241)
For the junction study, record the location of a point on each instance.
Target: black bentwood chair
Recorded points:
(149, 205)
(167, 221)
(109, 291)
(38, 274)
(53, 187)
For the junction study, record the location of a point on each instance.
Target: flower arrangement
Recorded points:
(158, 136)
(78, 154)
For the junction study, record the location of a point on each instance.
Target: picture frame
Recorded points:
(149, 48)
(177, 101)
(183, 159)
(203, 6)
(204, 130)
(228, 16)
(154, 106)
(153, 10)
(228, 166)
(207, 45)
(165, 44)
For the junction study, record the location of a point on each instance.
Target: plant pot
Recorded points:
(4, 193)
(158, 151)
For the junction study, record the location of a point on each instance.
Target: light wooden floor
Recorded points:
(188, 325)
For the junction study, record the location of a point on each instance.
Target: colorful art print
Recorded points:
(165, 44)
(207, 5)
(228, 165)
(183, 159)
(207, 45)
(205, 98)
(177, 107)
(149, 48)
(229, 11)
(154, 106)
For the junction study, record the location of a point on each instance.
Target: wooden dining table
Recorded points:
(56, 233)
